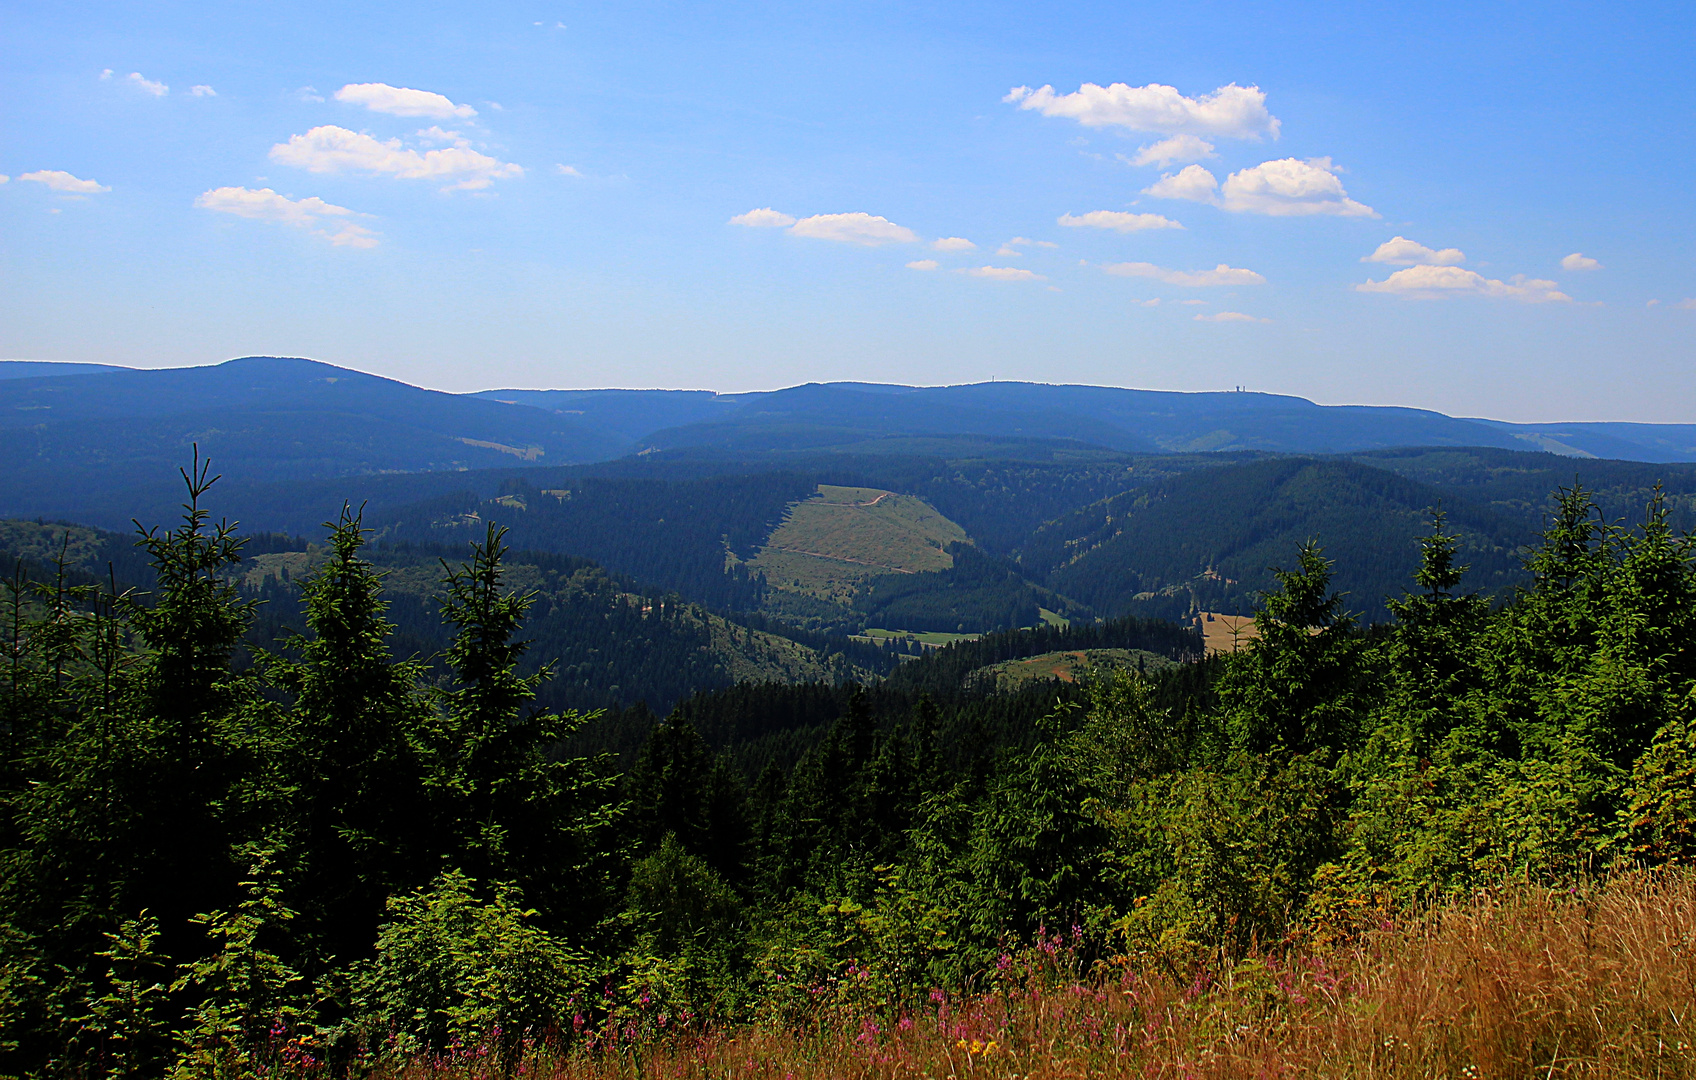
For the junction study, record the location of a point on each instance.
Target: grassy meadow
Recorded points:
(1596, 980)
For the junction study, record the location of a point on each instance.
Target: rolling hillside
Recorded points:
(1204, 541)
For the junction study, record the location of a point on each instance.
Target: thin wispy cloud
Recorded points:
(332, 149)
(1118, 221)
(1002, 273)
(1221, 275)
(265, 205)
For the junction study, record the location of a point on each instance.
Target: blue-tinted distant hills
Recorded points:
(819, 415)
(99, 444)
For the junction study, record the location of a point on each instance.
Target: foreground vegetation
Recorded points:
(1593, 981)
(1415, 849)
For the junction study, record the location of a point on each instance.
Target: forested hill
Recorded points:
(609, 643)
(94, 444)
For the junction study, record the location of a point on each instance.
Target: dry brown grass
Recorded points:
(1519, 982)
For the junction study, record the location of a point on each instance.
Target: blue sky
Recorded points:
(1183, 197)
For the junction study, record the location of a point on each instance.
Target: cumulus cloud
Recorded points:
(1169, 151)
(202, 91)
(330, 149)
(1118, 221)
(1232, 111)
(765, 218)
(266, 205)
(64, 181)
(1008, 251)
(1229, 316)
(953, 243)
(1192, 182)
(1002, 273)
(1400, 251)
(922, 264)
(1194, 279)
(309, 93)
(572, 170)
(1287, 187)
(401, 101)
(147, 86)
(856, 228)
(1433, 282)
(1579, 261)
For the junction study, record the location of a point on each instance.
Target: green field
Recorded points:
(830, 543)
(934, 639)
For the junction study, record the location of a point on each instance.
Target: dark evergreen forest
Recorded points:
(227, 849)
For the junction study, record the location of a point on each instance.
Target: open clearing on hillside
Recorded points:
(1225, 633)
(830, 543)
(934, 638)
(1066, 666)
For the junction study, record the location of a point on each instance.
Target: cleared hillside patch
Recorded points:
(1068, 666)
(841, 536)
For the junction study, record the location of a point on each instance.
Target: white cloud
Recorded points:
(435, 134)
(1284, 188)
(400, 101)
(1432, 282)
(1118, 221)
(309, 93)
(65, 182)
(353, 236)
(1290, 188)
(856, 228)
(953, 243)
(1194, 279)
(1002, 273)
(922, 264)
(1233, 111)
(1688, 305)
(1229, 316)
(202, 91)
(568, 170)
(1008, 251)
(1025, 241)
(1400, 251)
(1578, 261)
(766, 218)
(107, 74)
(266, 205)
(1192, 182)
(1167, 151)
(147, 86)
(330, 149)
(4, 179)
